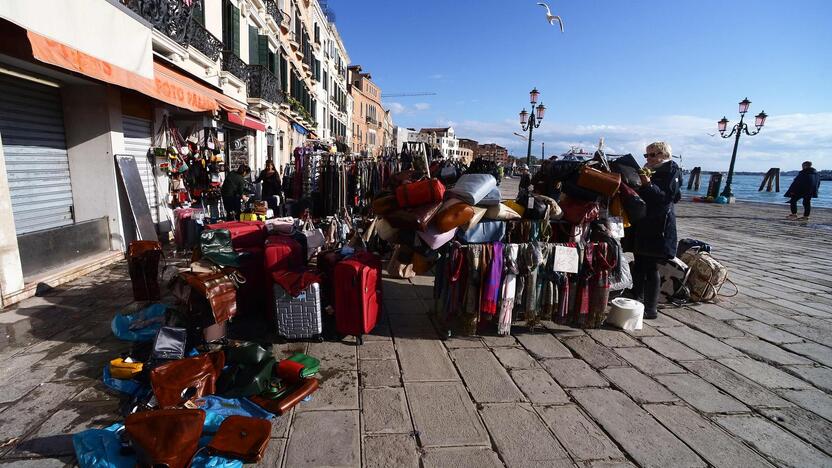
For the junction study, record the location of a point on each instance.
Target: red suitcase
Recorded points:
(420, 193)
(357, 294)
(327, 260)
(244, 233)
(253, 295)
(282, 253)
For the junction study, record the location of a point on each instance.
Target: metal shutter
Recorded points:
(137, 142)
(34, 144)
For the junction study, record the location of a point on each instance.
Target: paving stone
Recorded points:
(632, 427)
(376, 350)
(580, 436)
(39, 463)
(515, 358)
(819, 353)
(461, 457)
(380, 373)
(334, 355)
(280, 425)
(613, 338)
(543, 345)
(26, 415)
(716, 312)
(486, 379)
(607, 464)
(766, 332)
(274, 453)
(539, 386)
(799, 308)
(384, 410)
(813, 400)
(521, 437)
(702, 322)
(646, 330)
(671, 348)
(734, 384)
(324, 438)
(464, 342)
(764, 374)
(782, 447)
(573, 373)
(701, 395)
(648, 361)
(805, 424)
(54, 437)
(765, 316)
(710, 442)
(638, 386)
(701, 342)
(561, 331)
(500, 341)
(593, 353)
(397, 450)
(444, 415)
(338, 391)
(424, 360)
(820, 377)
(766, 352)
(664, 321)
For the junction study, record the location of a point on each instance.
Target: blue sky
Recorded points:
(630, 71)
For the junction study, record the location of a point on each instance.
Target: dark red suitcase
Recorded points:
(327, 260)
(357, 294)
(253, 295)
(244, 234)
(282, 253)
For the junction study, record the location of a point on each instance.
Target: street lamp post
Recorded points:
(530, 121)
(722, 125)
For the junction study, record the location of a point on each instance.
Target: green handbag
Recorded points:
(215, 245)
(249, 371)
(311, 366)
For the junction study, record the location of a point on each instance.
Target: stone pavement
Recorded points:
(745, 382)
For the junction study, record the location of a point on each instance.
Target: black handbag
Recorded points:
(628, 167)
(169, 344)
(572, 190)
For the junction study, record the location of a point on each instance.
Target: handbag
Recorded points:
(517, 207)
(436, 239)
(282, 226)
(572, 189)
(219, 289)
(385, 231)
(249, 371)
(420, 193)
(501, 212)
(454, 213)
(605, 183)
(166, 437)
(314, 238)
(241, 437)
(169, 344)
(120, 369)
(472, 188)
(143, 259)
(493, 198)
(414, 219)
(629, 168)
(401, 263)
(479, 214)
(578, 212)
(633, 204)
(290, 399)
(178, 381)
(483, 233)
(384, 204)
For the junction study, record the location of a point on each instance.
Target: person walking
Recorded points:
(271, 184)
(234, 191)
(805, 186)
(654, 236)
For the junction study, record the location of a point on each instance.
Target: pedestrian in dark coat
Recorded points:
(271, 184)
(234, 191)
(805, 186)
(654, 236)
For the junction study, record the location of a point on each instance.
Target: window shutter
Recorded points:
(263, 50)
(273, 64)
(235, 30)
(227, 37)
(253, 54)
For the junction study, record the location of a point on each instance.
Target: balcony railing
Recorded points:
(263, 84)
(371, 121)
(176, 20)
(274, 11)
(234, 64)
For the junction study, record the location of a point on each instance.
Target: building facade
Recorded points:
(493, 152)
(468, 149)
(443, 139)
(368, 113)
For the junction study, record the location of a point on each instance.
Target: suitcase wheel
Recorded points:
(318, 338)
(359, 339)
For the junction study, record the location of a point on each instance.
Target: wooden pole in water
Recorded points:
(777, 179)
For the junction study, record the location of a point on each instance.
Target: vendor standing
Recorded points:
(805, 186)
(234, 190)
(271, 184)
(654, 236)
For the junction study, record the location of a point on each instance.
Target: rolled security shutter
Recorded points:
(137, 141)
(37, 163)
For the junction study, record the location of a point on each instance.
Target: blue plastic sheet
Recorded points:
(129, 387)
(218, 408)
(141, 326)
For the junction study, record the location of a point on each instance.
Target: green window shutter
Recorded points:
(253, 54)
(235, 30)
(272, 64)
(227, 37)
(263, 51)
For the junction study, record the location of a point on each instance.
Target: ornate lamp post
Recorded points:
(530, 121)
(759, 122)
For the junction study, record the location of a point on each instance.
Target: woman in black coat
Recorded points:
(805, 186)
(271, 184)
(654, 236)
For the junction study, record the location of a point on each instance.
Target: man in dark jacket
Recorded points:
(654, 236)
(805, 186)
(234, 189)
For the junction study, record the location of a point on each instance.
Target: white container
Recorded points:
(626, 314)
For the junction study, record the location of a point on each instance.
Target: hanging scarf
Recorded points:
(491, 284)
(508, 289)
(534, 257)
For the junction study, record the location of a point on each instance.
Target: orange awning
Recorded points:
(168, 85)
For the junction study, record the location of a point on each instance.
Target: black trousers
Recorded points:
(647, 282)
(807, 205)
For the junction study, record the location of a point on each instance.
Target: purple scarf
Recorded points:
(492, 281)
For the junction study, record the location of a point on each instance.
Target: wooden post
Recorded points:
(772, 177)
(694, 180)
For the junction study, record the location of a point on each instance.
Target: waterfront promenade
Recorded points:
(745, 382)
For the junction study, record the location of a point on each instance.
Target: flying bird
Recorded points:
(550, 17)
(711, 134)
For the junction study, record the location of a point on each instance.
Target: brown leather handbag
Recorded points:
(384, 204)
(605, 183)
(167, 437)
(218, 289)
(414, 219)
(453, 216)
(178, 381)
(282, 406)
(242, 438)
(143, 259)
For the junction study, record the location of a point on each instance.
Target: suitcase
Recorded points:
(298, 317)
(420, 193)
(282, 253)
(143, 259)
(252, 296)
(243, 233)
(357, 294)
(327, 260)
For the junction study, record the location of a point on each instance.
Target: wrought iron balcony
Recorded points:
(176, 19)
(234, 65)
(203, 41)
(273, 11)
(263, 84)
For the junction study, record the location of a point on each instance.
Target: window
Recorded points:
(317, 34)
(231, 27)
(284, 74)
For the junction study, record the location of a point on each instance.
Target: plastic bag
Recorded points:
(218, 408)
(129, 387)
(141, 326)
(101, 448)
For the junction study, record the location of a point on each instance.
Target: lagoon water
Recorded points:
(745, 189)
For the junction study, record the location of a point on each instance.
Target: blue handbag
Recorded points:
(492, 199)
(485, 232)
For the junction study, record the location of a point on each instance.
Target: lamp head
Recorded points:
(744, 104)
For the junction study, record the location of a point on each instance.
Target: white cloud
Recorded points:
(421, 106)
(436, 76)
(785, 142)
(397, 108)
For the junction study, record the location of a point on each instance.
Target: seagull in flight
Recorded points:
(550, 17)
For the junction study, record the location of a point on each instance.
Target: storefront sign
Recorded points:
(238, 152)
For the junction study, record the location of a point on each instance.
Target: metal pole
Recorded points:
(727, 192)
(543, 151)
(531, 129)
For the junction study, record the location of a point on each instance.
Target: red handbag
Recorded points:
(578, 211)
(420, 193)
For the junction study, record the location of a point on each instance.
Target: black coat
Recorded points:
(271, 185)
(806, 184)
(655, 234)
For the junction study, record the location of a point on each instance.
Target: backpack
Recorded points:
(706, 276)
(674, 274)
